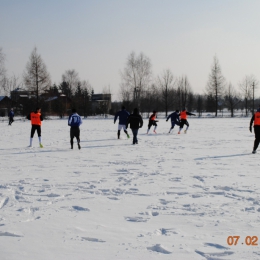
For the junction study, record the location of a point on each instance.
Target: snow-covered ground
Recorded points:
(169, 197)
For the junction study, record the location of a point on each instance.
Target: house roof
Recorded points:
(2, 97)
(19, 89)
(51, 98)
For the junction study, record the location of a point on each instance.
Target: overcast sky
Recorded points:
(95, 37)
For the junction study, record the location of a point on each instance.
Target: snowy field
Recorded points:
(169, 197)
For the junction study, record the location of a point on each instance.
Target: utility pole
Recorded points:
(253, 110)
(137, 96)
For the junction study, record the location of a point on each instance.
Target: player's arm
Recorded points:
(251, 123)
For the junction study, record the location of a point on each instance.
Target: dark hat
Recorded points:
(136, 111)
(154, 111)
(74, 110)
(123, 107)
(177, 111)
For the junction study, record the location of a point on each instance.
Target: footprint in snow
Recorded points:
(154, 214)
(78, 208)
(216, 246)
(159, 249)
(136, 219)
(216, 254)
(7, 234)
(93, 239)
(53, 195)
(4, 202)
(113, 198)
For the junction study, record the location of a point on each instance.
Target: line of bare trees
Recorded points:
(37, 79)
(139, 88)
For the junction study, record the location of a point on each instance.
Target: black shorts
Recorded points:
(36, 128)
(151, 122)
(184, 122)
(74, 132)
(257, 131)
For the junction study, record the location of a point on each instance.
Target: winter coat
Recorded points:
(11, 113)
(135, 120)
(174, 117)
(123, 116)
(74, 120)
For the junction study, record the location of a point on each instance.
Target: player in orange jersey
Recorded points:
(256, 119)
(152, 121)
(184, 121)
(36, 121)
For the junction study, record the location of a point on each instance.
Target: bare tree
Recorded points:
(36, 77)
(11, 84)
(216, 84)
(166, 84)
(125, 93)
(2, 71)
(72, 79)
(86, 86)
(106, 90)
(254, 87)
(248, 86)
(232, 98)
(199, 105)
(136, 76)
(183, 91)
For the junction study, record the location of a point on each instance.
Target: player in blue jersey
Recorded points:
(175, 119)
(123, 116)
(74, 122)
(11, 116)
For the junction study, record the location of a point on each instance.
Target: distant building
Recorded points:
(5, 105)
(101, 103)
(57, 104)
(18, 93)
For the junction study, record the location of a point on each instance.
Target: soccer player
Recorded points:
(11, 116)
(152, 121)
(74, 122)
(256, 119)
(36, 121)
(136, 121)
(175, 119)
(184, 121)
(123, 115)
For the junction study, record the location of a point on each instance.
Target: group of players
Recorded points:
(125, 118)
(134, 120)
(177, 118)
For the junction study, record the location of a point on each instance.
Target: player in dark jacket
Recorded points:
(123, 116)
(256, 120)
(175, 119)
(183, 116)
(74, 122)
(136, 121)
(11, 116)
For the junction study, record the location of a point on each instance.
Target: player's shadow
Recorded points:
(99, 140)
(222, 156)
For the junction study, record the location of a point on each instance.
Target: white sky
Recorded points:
(96, 37)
